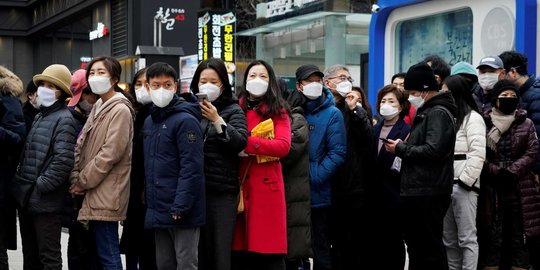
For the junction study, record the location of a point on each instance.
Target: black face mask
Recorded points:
(507, 105)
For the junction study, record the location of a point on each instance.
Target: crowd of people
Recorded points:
(447, 170)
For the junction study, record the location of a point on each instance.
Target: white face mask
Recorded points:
(142, 95)
(45, 96)
(343, 88)
(359, 104)
(161, 97)
(312, 90)
(416, 101)
(85, 106)
(388, 111)
(488, 80)
(257, 87)
(99, 84)
(211, 90)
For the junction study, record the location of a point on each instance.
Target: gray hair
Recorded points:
(333, 69)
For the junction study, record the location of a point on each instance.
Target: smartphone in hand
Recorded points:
(384, 140)
(201, 96)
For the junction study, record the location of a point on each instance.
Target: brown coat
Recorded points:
(103, 160)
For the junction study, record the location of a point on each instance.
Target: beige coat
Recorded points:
(103, 160)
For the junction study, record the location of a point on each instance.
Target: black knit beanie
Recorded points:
(420, 77)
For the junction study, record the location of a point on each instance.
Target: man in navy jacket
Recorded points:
(174, 168)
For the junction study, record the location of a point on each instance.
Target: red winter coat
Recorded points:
(262, 227)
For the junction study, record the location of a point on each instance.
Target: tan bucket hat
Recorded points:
(56, 74)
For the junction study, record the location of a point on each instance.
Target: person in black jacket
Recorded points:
(427, 169)
(350, 249)
(47, 160)
(295, 167)
(137, 242)
(12, 132)
(225, 132)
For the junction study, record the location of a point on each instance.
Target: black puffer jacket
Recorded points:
(295, 167)
(428, 155)
(221, 159)
(349, 181)
(48, 157)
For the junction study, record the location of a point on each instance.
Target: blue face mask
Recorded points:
(508, 73)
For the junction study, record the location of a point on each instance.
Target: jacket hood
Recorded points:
(444, 99)
(178, 104)
(10, 83)
(117, 99)
(324, 101)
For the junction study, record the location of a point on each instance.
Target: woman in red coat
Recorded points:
(261, 230)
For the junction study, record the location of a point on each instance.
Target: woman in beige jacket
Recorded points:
(103, 160)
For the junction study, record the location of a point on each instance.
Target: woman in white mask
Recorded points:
(261, 231)
(393, 106)
(47, 162)
(225, 131)
(459, 229)
(103, 160)
(136, 242)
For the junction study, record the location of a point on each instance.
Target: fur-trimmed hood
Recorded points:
(10, 83)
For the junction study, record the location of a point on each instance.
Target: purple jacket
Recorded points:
(524, 147)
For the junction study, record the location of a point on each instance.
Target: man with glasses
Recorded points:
(351, 246)
(515, 65)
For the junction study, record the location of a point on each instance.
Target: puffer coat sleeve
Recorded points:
(235, 137)
(470, 141)
(59, 166)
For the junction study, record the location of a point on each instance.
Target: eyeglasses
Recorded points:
(342, 78)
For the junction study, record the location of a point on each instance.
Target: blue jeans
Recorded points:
(107, 244)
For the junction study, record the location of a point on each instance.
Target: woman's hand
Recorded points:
(209, 111)
(351, 99)
(76, 190)
(390, 146)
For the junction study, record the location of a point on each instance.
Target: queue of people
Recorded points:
(272, 177)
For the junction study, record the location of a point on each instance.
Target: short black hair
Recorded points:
(161, 69)
(439, 66)
(398, 75)
(513, 59)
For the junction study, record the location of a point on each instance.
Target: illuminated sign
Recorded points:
(216, 38)
(86, 59)
(280, 7)
(169, 16)
(100, 32)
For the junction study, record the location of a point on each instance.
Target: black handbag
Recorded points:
(21, 189)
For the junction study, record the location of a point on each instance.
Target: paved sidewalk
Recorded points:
(16, 257)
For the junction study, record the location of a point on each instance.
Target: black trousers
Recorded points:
(217, 235)
(320, 237)
(352, 238)
(423, 226)
(40, 234)
(243, 260)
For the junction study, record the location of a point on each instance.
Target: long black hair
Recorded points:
(462, 96)
(219, 67)
(272, 98)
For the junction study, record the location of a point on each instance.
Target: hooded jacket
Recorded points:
(327, 146)
(428, 155)
(103, 160)
(520, 145)
(296, 178)
(174, 165)
(530, 101)
(12, 128)
(48, 157)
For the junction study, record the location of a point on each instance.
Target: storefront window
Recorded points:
(448, 35)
